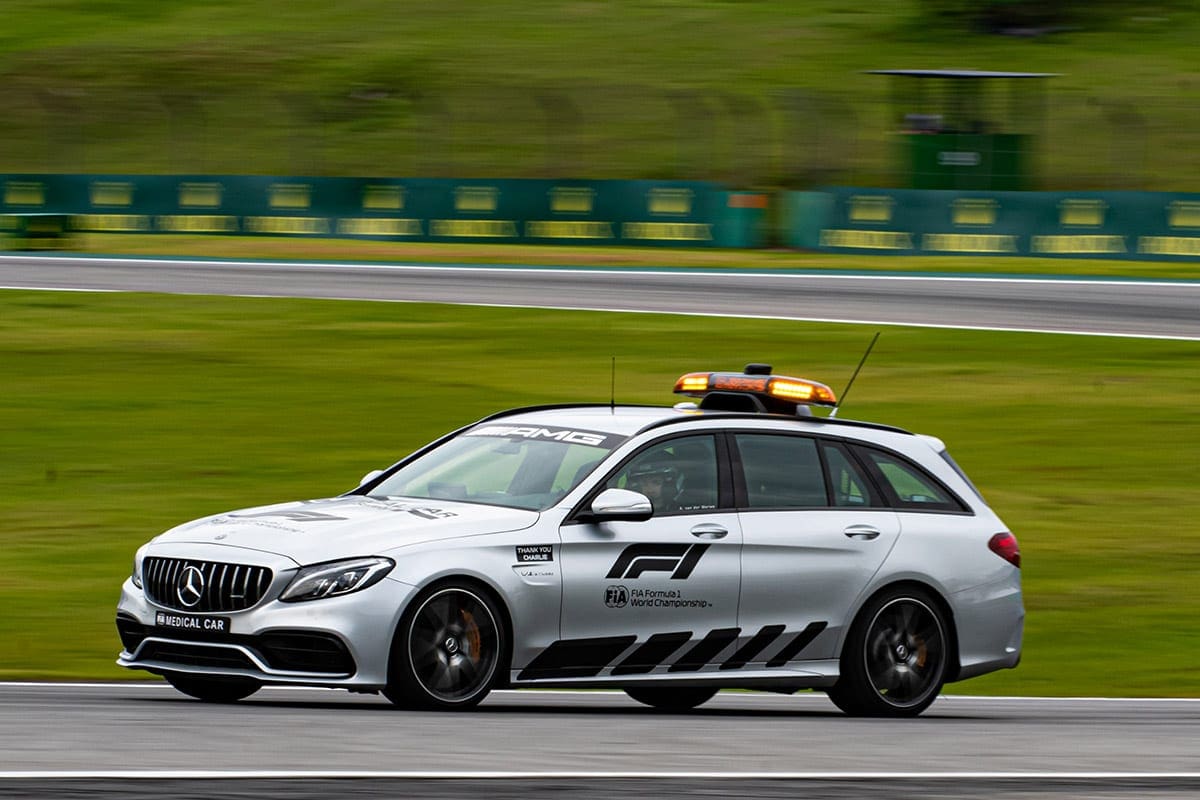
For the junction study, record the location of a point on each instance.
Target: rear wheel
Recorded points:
(447, 652)
(671, 698)
(213, 689)
(894, 662)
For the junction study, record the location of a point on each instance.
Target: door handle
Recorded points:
(862, 532)
(709, 530)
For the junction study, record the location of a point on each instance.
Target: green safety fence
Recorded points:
(689, 213)
(1128, 225)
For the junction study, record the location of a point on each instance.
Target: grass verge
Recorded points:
(126, 414)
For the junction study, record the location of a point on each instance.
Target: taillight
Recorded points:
(1005, 545)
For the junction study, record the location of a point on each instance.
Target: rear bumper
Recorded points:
(990, 624)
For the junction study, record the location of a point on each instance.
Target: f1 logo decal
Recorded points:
(677, 559)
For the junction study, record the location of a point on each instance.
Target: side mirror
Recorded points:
(620, 504)
(370, 476)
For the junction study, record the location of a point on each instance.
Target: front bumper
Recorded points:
(338, 641)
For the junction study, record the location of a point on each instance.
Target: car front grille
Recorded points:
(206, 585)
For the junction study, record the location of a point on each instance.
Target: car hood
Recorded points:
(312, 531)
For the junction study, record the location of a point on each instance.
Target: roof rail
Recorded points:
(853, 423)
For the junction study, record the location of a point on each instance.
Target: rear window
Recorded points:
(909, 486)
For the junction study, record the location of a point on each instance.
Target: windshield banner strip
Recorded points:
(565, 435)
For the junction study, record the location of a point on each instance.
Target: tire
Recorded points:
(448, 650)
(672, 698)
(895, 659)
(212, 689)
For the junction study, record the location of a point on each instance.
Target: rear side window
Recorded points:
(781, 471)
(850, 486)
(910, 487)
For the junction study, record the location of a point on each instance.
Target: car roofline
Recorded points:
(558, 406)
(853, 423)
(743, 415)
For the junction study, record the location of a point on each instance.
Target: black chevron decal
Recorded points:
(750, 649)
(653, 652)
(801, 640)
(587, 658)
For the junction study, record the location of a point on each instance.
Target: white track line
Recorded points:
(64, 289)
(605, 309)
(590, 775)
(585, 775)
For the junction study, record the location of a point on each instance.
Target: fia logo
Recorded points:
(616, 596)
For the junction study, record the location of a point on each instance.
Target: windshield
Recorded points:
(502, 465)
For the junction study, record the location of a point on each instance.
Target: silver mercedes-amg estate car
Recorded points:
(738, 540)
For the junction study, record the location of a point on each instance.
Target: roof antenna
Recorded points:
(862, 361)
(612, 397)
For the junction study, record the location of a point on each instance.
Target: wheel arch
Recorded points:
(480, 585)
(955, 666)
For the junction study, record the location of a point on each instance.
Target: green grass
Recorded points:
(756, 92)
(125, 414)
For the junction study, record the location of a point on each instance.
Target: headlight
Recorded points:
(136, 575)
(336, 578)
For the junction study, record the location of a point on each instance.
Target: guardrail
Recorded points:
(1124, 225)
(688, 213)
(38, 209)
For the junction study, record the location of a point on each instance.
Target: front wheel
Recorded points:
(448, 650)
(671, 698)
(894, 661)
(213, 690)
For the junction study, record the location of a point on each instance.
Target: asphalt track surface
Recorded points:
(147, 738)
(1157, 309)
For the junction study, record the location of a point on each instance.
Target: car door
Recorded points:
(814, 532)
(941, 533)
(658, 595)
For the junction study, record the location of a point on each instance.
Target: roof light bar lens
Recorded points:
(794, 390)
(802, 391)
(739, 383)
(692, 383)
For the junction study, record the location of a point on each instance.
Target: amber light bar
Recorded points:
(782, 387)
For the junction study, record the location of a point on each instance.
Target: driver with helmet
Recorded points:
(656, 480)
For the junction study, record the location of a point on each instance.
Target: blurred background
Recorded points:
(753, 93)
(102, 395)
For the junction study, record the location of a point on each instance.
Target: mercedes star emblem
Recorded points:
(189, 588)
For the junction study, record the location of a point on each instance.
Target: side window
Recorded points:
(850, 486)
(678, 475)
(781, 471)
(911, 487)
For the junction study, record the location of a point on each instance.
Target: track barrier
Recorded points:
(1122, 225)
(661, 213)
